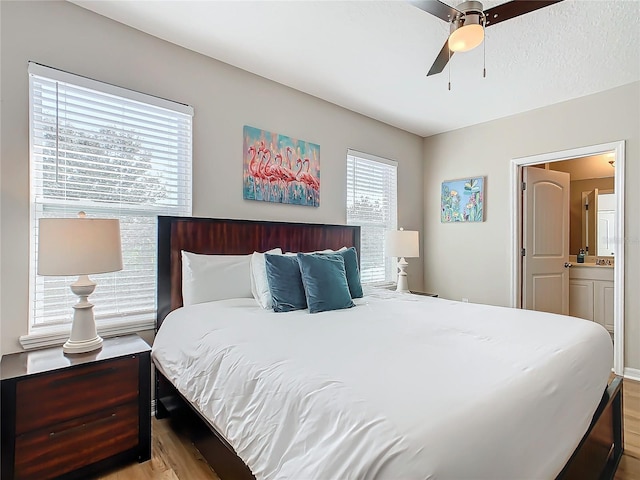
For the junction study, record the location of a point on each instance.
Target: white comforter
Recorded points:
(410, 387)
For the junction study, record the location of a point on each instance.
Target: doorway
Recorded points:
(618, 158)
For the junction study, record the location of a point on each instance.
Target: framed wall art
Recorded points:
(280, 169)
(462, 200)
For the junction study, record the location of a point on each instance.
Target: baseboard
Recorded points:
(632, 374)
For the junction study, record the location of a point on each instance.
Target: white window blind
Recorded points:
(112, 153)
(372, 187)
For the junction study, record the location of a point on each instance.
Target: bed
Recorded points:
(506, 416)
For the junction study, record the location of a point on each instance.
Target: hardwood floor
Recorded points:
(631, 400)
(629, 468)
(175, 458)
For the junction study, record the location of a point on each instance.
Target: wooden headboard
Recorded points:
(216, 236)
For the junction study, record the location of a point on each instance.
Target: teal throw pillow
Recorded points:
(352, 271)
(285, 283)
(325, 282)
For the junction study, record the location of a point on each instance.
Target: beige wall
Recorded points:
(62, 35)
(473, 260)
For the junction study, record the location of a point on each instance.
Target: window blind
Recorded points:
(372, 203)
(112, 153)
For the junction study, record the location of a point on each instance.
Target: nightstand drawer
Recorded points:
(51, 399)
(75, 416)
(50, 452)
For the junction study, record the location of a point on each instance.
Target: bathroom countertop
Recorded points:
(576, 264)
(591, 271)
(590, 261)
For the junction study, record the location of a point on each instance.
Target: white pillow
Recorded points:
(259, 282)
(206, 278)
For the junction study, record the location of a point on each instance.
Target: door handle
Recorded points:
(568, 265)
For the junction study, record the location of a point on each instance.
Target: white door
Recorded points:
(545, 236)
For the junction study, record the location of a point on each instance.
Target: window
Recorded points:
(112, 153)
(372, 188)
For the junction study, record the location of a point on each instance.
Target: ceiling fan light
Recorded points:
(467, 37)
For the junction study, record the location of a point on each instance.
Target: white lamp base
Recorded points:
(403, 282)
(82, 346)
(84, 337)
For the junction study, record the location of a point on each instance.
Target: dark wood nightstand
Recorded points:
(425, 294)
(71, 416)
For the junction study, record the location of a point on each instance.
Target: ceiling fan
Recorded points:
(468, 21)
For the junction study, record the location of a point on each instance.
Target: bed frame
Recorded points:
(596, 457)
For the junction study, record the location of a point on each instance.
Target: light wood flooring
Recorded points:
(175, 458)
(629, 468)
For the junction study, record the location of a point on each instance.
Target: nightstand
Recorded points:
(71, 416)
(424, 294)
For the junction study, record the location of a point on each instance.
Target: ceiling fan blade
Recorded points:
(436, 8)
(514, 9)
(441, 59)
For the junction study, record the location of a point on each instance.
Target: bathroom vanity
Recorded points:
(591, 293)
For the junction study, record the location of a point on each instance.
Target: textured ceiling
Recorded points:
(372, 56)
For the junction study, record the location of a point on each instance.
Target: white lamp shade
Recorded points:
(402, 243)
(78, 246)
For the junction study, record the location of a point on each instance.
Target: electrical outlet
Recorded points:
(465, 300)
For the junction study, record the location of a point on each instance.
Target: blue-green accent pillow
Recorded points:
(325, 282)
(353, 272)
(285, 283)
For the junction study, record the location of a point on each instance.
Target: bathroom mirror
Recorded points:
(598, 222)
(591, 178)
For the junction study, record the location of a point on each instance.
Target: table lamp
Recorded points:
(402, 243)
(80, 246)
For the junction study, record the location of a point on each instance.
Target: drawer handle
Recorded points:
(84, 425)
(76, 378)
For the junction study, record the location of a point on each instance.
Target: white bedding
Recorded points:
(406, 387)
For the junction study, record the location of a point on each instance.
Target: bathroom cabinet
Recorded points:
(591, 294)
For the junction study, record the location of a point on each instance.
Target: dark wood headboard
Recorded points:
(216, 236)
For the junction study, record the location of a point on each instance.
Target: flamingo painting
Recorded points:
(269, 171)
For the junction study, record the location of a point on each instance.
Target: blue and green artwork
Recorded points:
(462, 200)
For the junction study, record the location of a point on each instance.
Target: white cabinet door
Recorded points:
(603, 301)
(581, 299)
